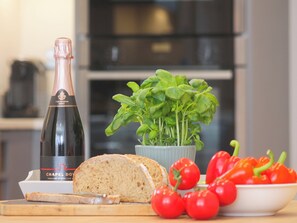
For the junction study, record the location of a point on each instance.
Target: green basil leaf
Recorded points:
(133, 86)
(142, 129)
(165, 76)
(149, 82)
(212, 98)
(142, 94)
(166, 109)
(153, 134)
(199, 144)
(174, 93)
(187, 88)
(203, 103)
(181, 80)
(170, 120)
(123, 99)
(155, 108)
(159, 95)
(199, 84)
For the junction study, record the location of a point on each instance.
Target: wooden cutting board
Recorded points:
(23, 207)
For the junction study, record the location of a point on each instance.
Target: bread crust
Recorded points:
(158, 172)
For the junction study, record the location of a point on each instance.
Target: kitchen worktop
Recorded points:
(21, 123)
(287, 215)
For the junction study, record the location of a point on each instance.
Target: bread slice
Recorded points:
(157, 172)
(114, 174)
(73, 198)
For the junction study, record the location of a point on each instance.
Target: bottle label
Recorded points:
(62, 99)
(59, 167)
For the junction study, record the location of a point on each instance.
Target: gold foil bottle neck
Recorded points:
(63, 48)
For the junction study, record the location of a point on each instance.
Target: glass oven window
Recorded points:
(147, 17)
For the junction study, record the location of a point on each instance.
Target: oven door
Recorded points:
(104, 85)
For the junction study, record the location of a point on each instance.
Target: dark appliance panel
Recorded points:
(197, 34)
(148, 17)
(174, 52)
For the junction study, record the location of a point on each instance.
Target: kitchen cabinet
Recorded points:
(19, 153)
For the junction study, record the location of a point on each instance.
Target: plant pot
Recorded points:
(166, 155)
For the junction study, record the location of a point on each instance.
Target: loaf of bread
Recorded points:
(115, 174)
(157, 172)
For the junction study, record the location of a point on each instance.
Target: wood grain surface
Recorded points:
(286, 215)
(23, 207)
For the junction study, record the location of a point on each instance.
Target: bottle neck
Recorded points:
(63, 79)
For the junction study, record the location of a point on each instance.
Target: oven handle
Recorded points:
(141, 75)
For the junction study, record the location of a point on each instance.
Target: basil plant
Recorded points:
(169, 109)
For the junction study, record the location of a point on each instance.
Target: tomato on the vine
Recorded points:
(185, 198)
(167, 203)
(225, 190)
(202, 205)
(186, 170)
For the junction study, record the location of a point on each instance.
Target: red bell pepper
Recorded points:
(279, 173)
(293, 175)
(263, 160)
(221, 162)
(245, 172)
(252, 160)
(229, 163)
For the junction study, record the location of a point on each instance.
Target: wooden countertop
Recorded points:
(21, 124)
(286, 215)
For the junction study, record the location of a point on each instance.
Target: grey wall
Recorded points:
(267, 78)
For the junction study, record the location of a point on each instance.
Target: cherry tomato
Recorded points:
(225, 190)
(167, 203)
(186, 170)
(202, 205)
(185, 198)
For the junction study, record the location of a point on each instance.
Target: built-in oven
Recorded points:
(122, 40)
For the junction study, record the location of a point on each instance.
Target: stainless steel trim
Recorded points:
(240, 50)
(140, 75)
(83, 51)
(81, 31)
(241, 108)
(83, 95)
(239, 16)
(81, 16)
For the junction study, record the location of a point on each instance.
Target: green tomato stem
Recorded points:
(178, 179)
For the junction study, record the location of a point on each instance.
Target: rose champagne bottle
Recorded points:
(62, 135)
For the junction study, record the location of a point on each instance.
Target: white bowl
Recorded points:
(32, 183)
(259, 200)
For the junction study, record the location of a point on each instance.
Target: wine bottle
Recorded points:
(62, 135)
